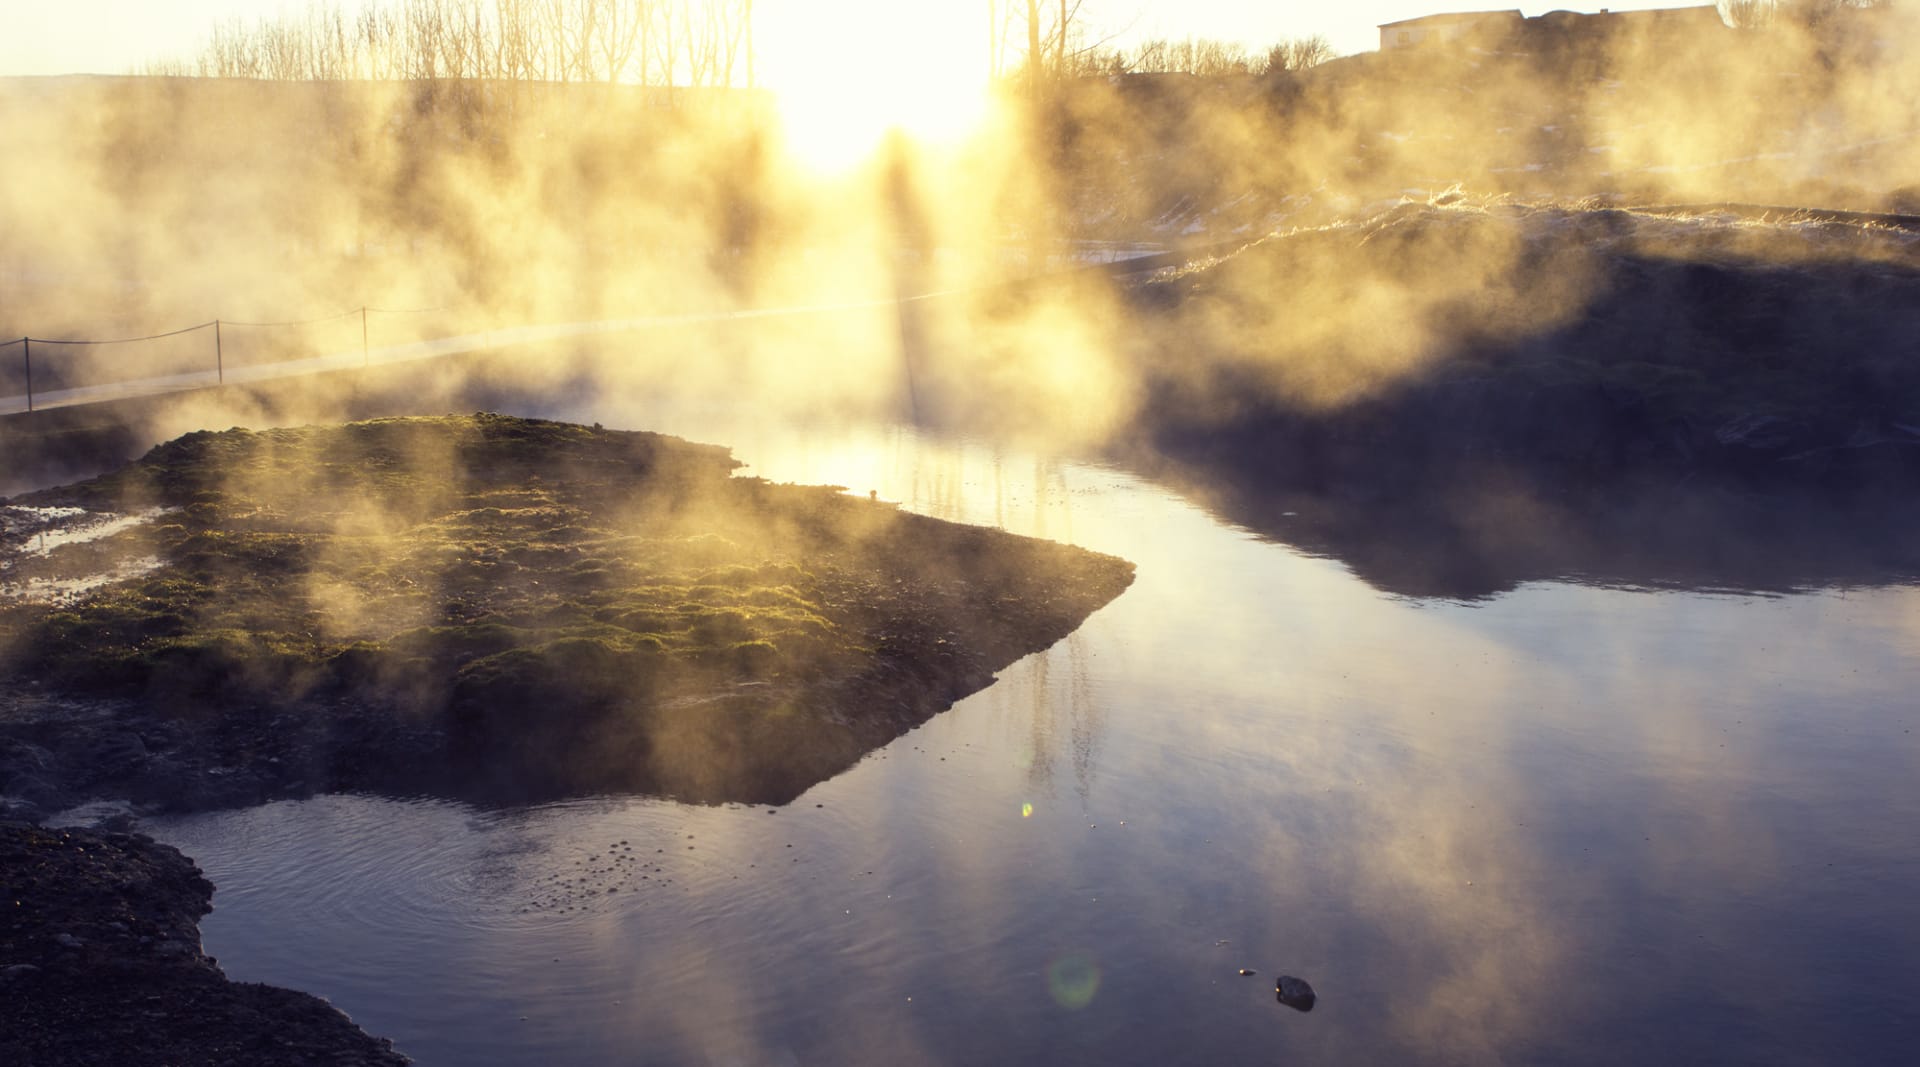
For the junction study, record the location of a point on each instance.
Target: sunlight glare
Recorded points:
(848, 72)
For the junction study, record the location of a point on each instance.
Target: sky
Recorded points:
(117, 36)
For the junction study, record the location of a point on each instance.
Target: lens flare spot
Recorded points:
(1026, 811)
(1074, 980)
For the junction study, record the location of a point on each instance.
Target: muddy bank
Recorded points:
(491, 608)
(100, 962)
(1457, 398)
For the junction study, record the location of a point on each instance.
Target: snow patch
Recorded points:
(33, 535)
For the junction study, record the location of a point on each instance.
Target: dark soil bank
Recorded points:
(100, 963)
(492, 608)
(1458, 398)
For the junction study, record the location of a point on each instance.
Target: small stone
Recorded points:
(1294, 992)
(65, 940)
(1247, 972)
(17, 970)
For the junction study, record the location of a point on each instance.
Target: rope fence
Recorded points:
(59, 382)
(41, 373)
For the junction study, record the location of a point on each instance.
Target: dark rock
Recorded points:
(15, 809)
(101, 921)
(35, 791)
(1294, 992)
(118, 754)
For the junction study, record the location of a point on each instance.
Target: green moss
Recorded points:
(455, 644)
(541, 589)
(568, 678)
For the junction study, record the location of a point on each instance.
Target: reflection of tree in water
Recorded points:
(1075, 693)
(1046, 701)
(1050, 491)
(1085, 718)
(1085, 713)
(1040, 743)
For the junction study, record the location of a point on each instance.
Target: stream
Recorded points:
(1562, 824)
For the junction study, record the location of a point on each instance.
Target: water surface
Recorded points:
(1566, 824)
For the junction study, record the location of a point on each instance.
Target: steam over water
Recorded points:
(1562, 823)
(1568, 824)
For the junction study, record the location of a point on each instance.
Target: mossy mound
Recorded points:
(546, 608)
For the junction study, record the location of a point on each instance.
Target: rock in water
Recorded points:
(1294, 992)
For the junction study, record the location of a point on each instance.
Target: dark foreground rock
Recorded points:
(100, 963)
(491, 608)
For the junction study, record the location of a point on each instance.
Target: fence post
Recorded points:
(366, 354)
(26, 354)
(219, 356)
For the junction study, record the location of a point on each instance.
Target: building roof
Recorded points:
(1453, 16)
(1700, 11)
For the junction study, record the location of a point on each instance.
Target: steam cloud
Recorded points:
(150, 203)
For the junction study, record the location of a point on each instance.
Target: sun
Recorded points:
(846, 73)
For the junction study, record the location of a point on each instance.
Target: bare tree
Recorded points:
(1748, 14)
(702, 42)
(374, 33)
(423, 29)
(283, 50)
(1299, 53)
(511, 45)
(167, 68)
(665, 37)
(736, 19)
(464, 48)
(618, 24)
(751, 83)
(1034, 72)
(1150, 57)
(232, 52)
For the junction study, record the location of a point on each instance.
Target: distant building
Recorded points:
(1450, 28)
(1488, 29)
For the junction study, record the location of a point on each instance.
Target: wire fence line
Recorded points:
(53, 385)
(193, 372)
(64, 384)
(115, 340)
